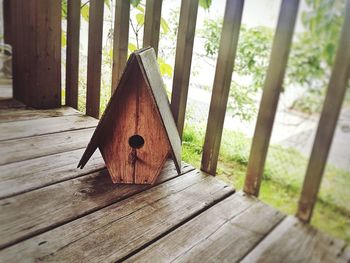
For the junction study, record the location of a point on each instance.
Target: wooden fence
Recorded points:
(223, 74)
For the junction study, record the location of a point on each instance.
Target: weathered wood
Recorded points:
(327, 124)
(94, 58)
(292, 241)
(20, 177)
(140, 108)
(272, 88)
(222, 83)
(134, 113)
(8, 30)
(223, 233)
(183, 59)
(115, 231)
(72, 57)
(20, 114)
(120, 39)
(27, 128)
(37, 211)
(38, 146)
(36, 45)
(152, 24)
(10, 104)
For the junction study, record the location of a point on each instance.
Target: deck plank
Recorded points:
(115, 231)
(293, 241)
(20, 177)
(38, 146)
(223, 233)
(7, 115)
(37, 211)
(28, 128)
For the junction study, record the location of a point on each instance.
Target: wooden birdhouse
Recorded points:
(137, 130)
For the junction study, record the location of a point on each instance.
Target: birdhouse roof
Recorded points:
(146, 60)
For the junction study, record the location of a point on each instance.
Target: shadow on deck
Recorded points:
(51, 211)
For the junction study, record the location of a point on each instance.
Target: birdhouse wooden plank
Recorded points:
(137, 130)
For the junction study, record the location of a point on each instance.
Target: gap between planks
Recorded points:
(222, 233)
(151, 213)
(30, 128)
(37, 211)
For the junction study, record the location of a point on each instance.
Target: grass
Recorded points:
(282, 178)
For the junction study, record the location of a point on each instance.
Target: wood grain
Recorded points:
(27, 128)
(272, 88)
(94, 58)
(151, 72)
(183, 59)
(331, 108)
(20, 114)
(134, 113)
(20, 177)
(223, 233)
(34, 212)
(36, 49)
(292, 241)
(38, 146)
(120, 40)
(72, 52)
(152, 24)
(222, 84)
(115, 231)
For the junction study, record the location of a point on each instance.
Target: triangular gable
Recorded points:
(150, 69)
(148, 64)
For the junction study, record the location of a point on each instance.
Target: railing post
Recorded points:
(94, 58)
(327, 124)
(120, 39)
(222, 83)
(152, 24)
(7, 21)
(36, 45)
(72, 60)
(271, 92)
(183, 59)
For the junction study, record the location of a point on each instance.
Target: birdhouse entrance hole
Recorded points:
(136, 141)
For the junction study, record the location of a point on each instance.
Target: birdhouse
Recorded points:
(137, 131)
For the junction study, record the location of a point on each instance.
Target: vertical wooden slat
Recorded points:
(7, 21)
(183, 59)
(120, 39)
(272, 88)
(327, 124)
(222, 83)
(152, 24)
(36, 40)
(72, 60)
(94, 58)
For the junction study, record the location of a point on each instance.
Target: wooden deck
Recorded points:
(52, 212)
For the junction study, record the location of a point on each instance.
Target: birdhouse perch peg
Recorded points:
(137, 130)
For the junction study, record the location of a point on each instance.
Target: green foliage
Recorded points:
(205, 3)
(85, 12)
(314, 50)
(280, 187)
(251, 63)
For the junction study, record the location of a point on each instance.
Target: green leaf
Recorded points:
(140, 18)
(165, 68)
(108, 4)
(164, 25)
(205, 3)
(140, 8)
(63, 38)
(85, 12)
(132, 47)
(135, 3)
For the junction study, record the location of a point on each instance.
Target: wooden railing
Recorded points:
(221, 86)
